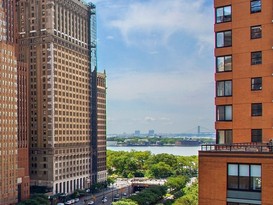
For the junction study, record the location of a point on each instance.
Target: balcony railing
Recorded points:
(238, 147)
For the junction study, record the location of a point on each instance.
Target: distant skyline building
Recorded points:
(137, 132)
(151, 132)
(56, 41)
(238, 168)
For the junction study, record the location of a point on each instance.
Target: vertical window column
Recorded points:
(224, 113)
(223, 14)
(256, 135)
(223, 39)
(223, 63)
(256, 57)
(255, 6)
(224, 88)
(256, 83)
(224, 137)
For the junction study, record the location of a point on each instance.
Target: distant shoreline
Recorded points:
(171, 149)
(153, 145)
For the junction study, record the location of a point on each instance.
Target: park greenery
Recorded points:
(157, 195)
(37, 199)
(147, 196)
(144, 164)
(190, 195)
(177, 170)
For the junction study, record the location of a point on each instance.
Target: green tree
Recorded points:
(36, 199)
(139, 164)
(168, 159)
(125, 202)
(187, 166)
(141, 157)
(126, 164)
(110, 180)
(190, 196)
(160, 170)
(150, 195)
(177, 183)
(76, 194)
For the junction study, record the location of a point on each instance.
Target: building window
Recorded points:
(224, 113)
(223, 14)
(223, 39)
(256, 135)
(246, 177)
(256, 109)
(224, 137)
(235, 203)
(256, 32)
(224, 88)
(223, 63)
(255, 6)
(256, 83)
(256, 57)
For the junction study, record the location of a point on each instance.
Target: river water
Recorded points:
(175, 150)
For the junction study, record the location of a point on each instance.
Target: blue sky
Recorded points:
(158, 56)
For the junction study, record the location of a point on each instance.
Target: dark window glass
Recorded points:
(224, 88)
(223, 63)
(223, 14)
(223, 39)
(255, 6)
(256, 109)
(233, 179)
(256, 32)
(256, 135)
(256, 83)
(234, 203)
(224, 113)
(224, 137)
(256, 57)
(244, 177)
(255, 180)
(244, 180)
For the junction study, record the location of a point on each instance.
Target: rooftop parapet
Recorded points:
(238, 147)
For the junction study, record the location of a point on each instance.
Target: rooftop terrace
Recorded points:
(238, 147)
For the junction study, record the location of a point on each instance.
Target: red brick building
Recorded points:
(237, 170)
(14, 163)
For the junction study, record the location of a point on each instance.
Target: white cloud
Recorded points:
(160, 19)
(149, 119)
(97, 1)
(168, 102)
(110, 37)
(157, 86)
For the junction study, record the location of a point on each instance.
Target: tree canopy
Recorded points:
(140, 164)
(37, 199)
(125, 202)
(190, 196)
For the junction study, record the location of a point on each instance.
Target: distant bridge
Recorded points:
(198, 129)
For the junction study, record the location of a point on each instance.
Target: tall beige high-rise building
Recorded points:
(55, 41)
(99, 170)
